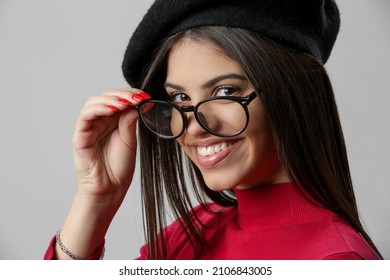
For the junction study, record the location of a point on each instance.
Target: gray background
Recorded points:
(55, 54)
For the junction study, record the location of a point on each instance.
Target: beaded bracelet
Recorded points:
(69, 253)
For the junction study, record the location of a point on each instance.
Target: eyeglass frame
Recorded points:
(243, 101)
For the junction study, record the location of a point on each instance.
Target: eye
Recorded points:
(227, 91)
(179, 97)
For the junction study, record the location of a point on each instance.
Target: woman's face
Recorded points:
(197, 71)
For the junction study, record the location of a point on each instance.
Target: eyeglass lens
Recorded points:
(221, 117)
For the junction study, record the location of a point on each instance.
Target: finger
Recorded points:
(127, 127)
(108, 104)
(125, 92)
(132, 96)
(110, 100)
(95, 111)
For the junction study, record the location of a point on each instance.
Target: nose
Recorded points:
(193, 127)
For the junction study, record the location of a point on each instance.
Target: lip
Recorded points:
(213, 160)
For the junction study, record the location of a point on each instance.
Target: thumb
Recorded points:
(127, 126)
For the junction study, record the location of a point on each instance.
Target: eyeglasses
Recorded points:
(225, 116)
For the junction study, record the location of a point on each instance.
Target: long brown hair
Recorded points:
(298, 97)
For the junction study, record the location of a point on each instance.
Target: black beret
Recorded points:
(309, 26)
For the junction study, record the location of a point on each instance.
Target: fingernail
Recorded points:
(123, 101)
(137, 97)
(145, 95)
(112, 108)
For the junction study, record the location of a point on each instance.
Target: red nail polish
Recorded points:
(123, 101)
(112, 108)
(137, 97)
(145, 95)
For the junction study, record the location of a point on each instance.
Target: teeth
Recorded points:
(210, 150)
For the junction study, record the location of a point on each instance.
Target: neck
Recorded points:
(275, 205)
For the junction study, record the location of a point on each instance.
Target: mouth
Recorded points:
(209, 156)
(213, 149)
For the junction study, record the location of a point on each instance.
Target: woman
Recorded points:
(236, 92)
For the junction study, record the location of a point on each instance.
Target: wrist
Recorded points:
(86, 225)
(99, 204)
(97, 255)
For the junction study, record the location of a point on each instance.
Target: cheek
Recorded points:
(176, 122)
(259, 131)
(185, 148)
(258, 119)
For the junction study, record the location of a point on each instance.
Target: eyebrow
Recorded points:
(208, 83)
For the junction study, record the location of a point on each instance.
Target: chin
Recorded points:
(219, 185)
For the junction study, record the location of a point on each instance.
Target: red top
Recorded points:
(270, 222)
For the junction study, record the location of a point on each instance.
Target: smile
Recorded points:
(213, 149)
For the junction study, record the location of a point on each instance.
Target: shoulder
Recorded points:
(209, 218)
(345, 243)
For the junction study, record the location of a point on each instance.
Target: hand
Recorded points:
(104, 148)
(104, 144)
